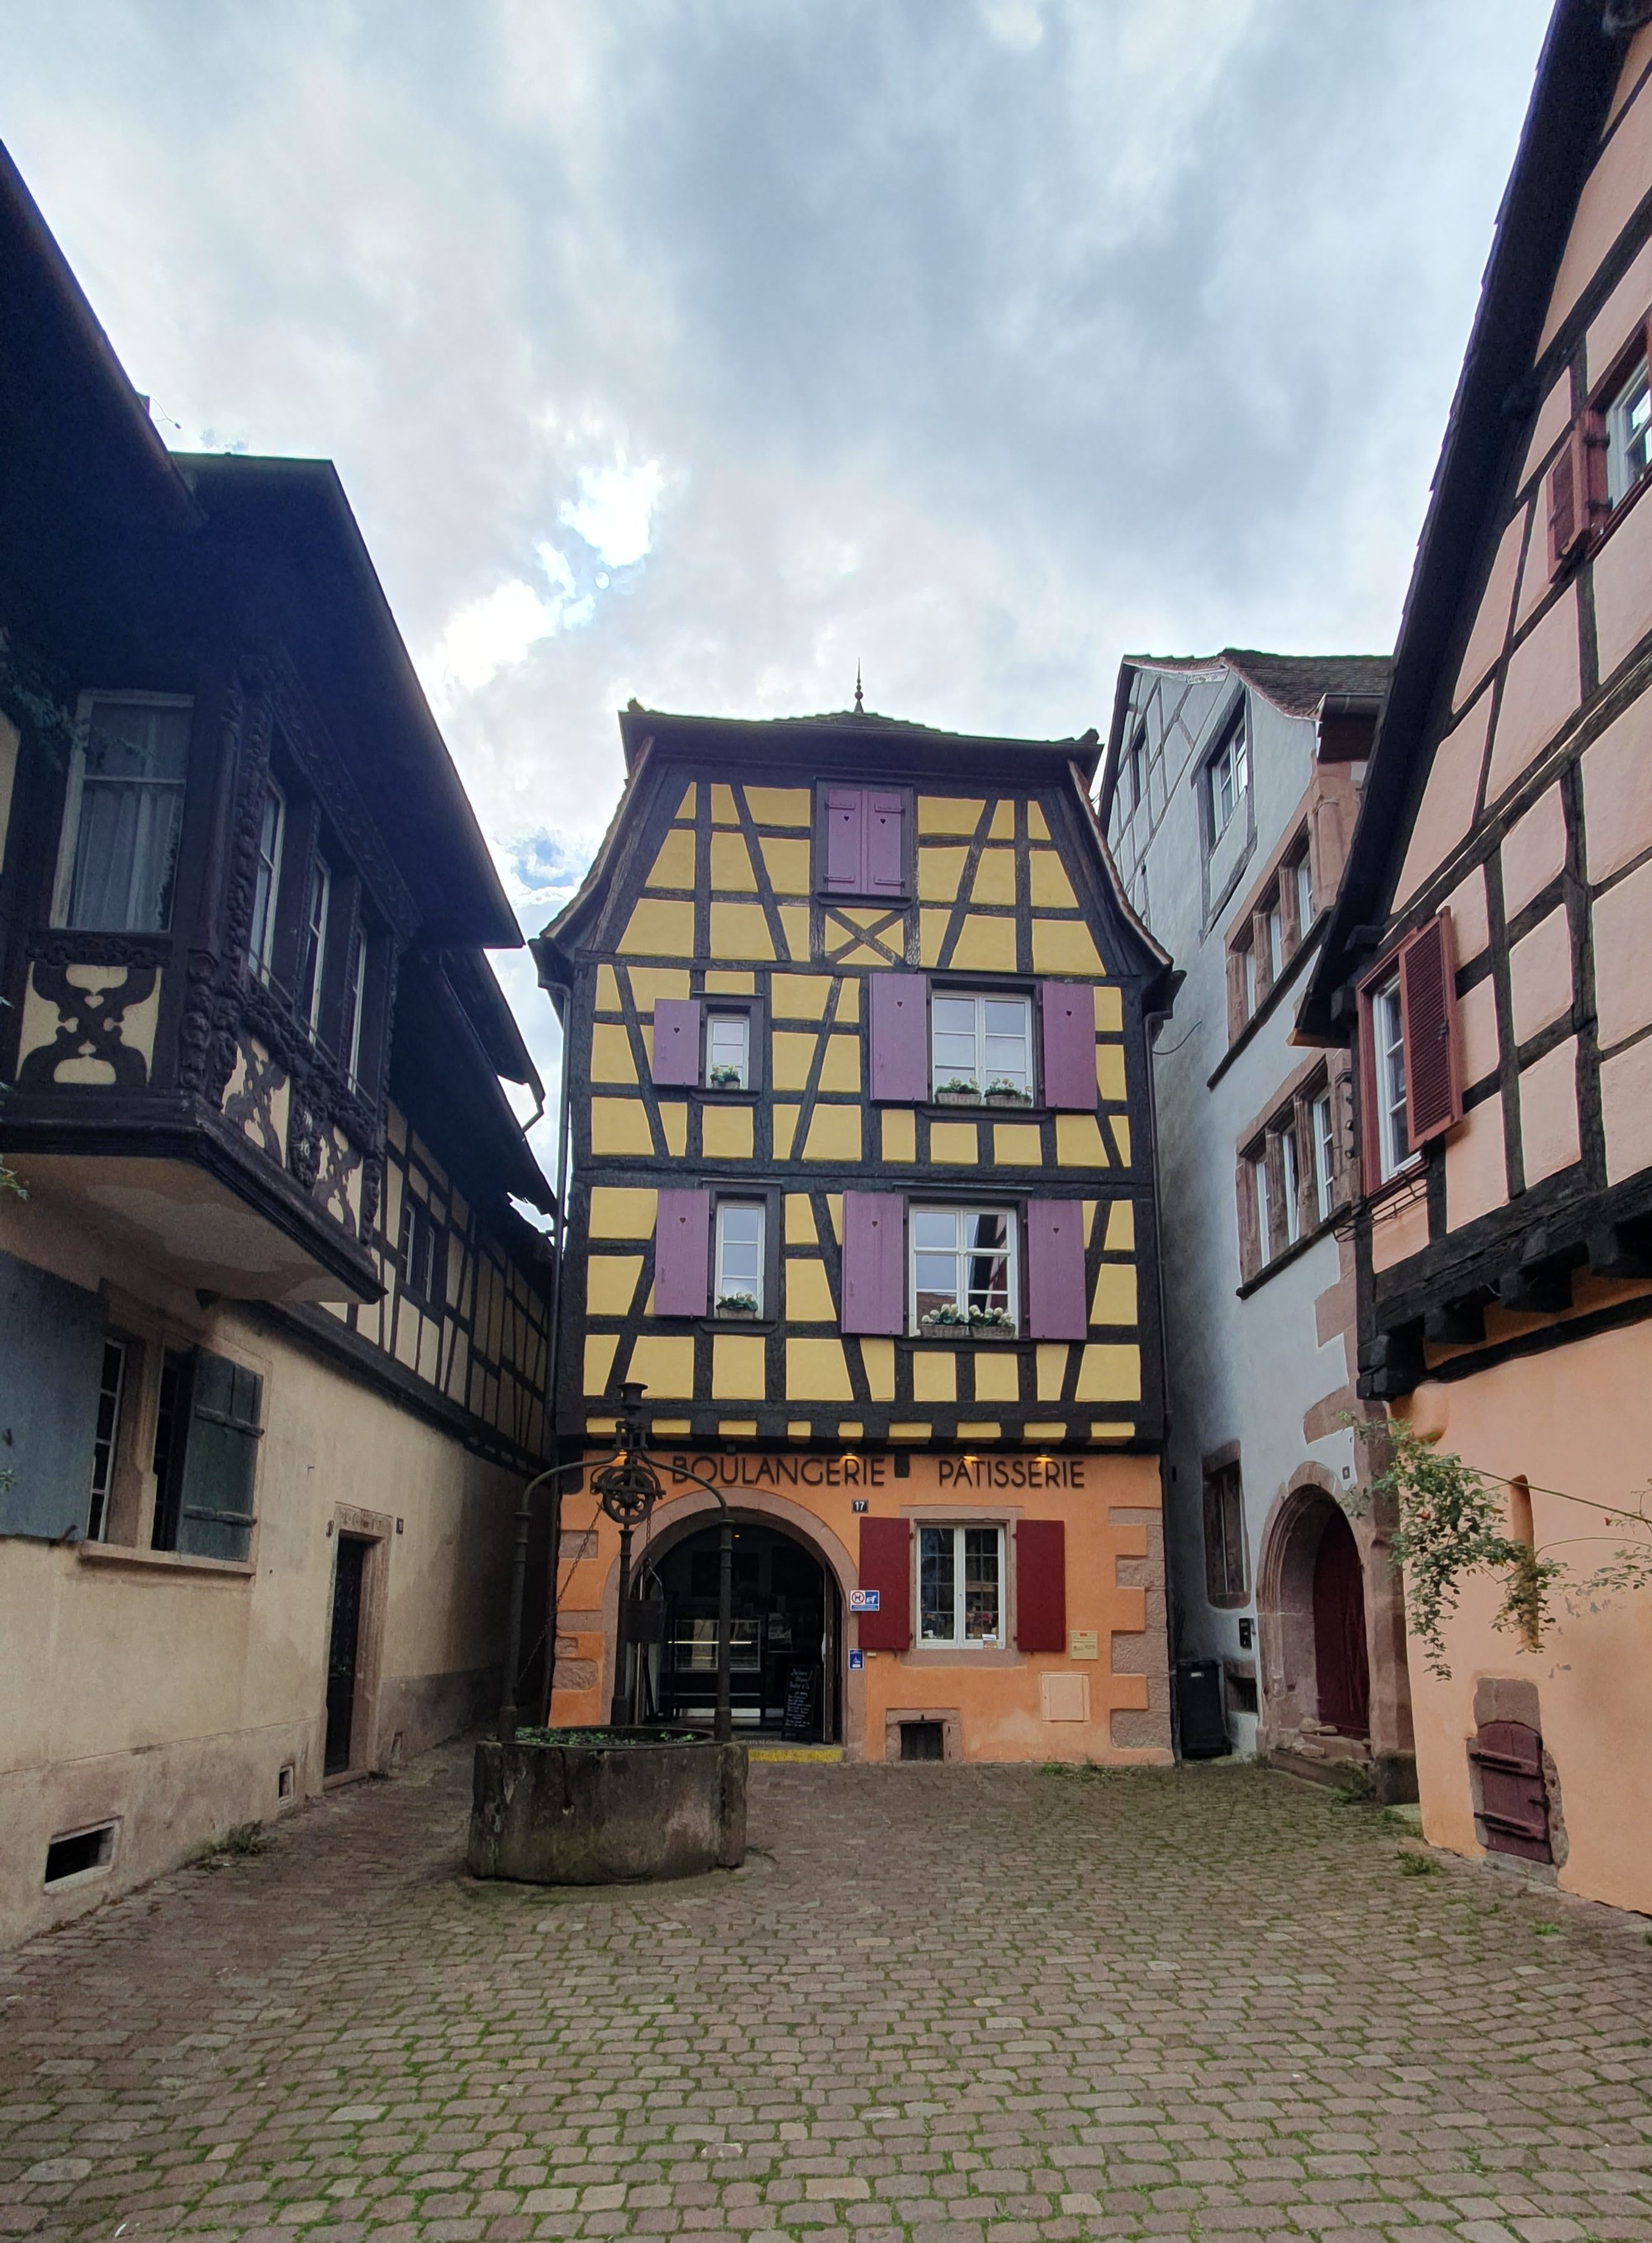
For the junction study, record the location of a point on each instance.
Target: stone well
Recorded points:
(606, 1806)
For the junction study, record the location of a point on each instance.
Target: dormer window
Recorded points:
(1628, 426)
(123, 815)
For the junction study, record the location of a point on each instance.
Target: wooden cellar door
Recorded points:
(1513, 1797)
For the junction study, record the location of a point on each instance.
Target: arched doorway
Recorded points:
(786, 1634)
(1342, 1669)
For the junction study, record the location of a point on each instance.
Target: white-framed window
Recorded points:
(1628, 436)
(110, 1393)
(728, 1051)
(1387, 1045)
(267, 883)
(1302, 874)
(355, 1002)
(122, 814)
(1264, 1198)
(317, 906)
(739, 1271)
(1228, 774)
(960, 1588)
(1274, 927)
(982, 1044)
(1291, 1181)
(963, 1262)
(1324, 1152)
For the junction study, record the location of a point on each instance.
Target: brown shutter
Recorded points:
(1428, 1018)
(1565, 513)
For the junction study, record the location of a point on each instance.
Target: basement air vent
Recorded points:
(79, 1851)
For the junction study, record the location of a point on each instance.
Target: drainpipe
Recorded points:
(1154, 1021)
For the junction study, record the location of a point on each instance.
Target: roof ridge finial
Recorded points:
(860, 710)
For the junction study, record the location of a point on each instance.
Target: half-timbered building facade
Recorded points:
(1487, 965)
(272, 1334)
(863, 1197)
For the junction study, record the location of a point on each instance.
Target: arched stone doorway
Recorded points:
(1342, 1669)
(788, 1631)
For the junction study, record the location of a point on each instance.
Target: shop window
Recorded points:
(960, 1591)
(122, 814)
(963, 1269)
(1226, 1573)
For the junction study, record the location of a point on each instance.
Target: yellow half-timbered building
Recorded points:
(857, 1020)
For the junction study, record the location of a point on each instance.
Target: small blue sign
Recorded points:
(864, 1600)
(856, 1661)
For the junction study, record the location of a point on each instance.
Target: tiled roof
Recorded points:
(1295, 682)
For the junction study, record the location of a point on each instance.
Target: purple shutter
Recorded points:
(885, 850)
(898, 1029)
(1069, 1015)
(874, 1287)
(676, 1039)
(683, 1253)
(1056, 1306)
(845, 840)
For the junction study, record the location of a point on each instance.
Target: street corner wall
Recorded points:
(1103, 1697)
(1576, 1420)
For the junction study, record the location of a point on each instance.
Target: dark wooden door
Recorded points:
(343, 1651)
(1513, 1796)
(1340, 1660)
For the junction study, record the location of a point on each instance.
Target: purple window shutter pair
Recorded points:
(865, 842)
(676, 1041)
(898, 1031)
(683, 1253)
(1056, 1304)
(1068, 1013)
(873, 1280)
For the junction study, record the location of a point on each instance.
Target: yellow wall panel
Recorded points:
(1052, 1368)
(1017, 1144)
(994, 878)
(610, 1280)
(784, 1120)
(607, 990)
(1111, 1430)
(940, 874)
(1109, 1070)
(779, 806)
(788, 865)
(791, 1055)
(621, 1211)
(736, 1429)
(599, 1360)
(1064, 946)
(934, 1375)
(794, 927)
(816, 1372)
(611, 1059)
(849, 1000)
(725, 1132)
(909, 1431)
(842, 1068)
(1003, 825)
(809, 1297)
(1050, 886)
(988, 1431)
(998, 1375)
(1078, 1142)
(673, 1120)
(956, 1142)
(740, 931)
(947, 813)
(737, 1368)
(659, 930)
(650, 983)
(1037, 823)
(800, 1221)
(689, 808)
(799, 996)
(850, 1429)
(674, 866)
(835, 1215)
(1110, 1008)
(798, 1429)
(1055, 1431)
(620, 1125)
(986, 946)
(1110, 1373)
(731, 865)
(730, 985)
(664, 1362)
(834, 1134)
(1121, 1228)
(899, 1134)
(1119, 1124)
(932, 933)
(1115, 1295)
(722, 805)
(878, 1359)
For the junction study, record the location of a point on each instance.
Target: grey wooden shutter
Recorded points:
(220, 1458)
(51, 1354)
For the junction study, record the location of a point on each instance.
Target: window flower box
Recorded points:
(1007, 1093)
(957, 1090)
(736, 1305)
(949, 1325)
(725, 1078)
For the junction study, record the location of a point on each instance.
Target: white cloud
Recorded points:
(614, 511)
(501, 629)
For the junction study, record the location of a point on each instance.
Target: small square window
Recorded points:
(960, 1591)
(728, 1051)
(739, 1276)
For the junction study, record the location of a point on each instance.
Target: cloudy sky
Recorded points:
(697, 349)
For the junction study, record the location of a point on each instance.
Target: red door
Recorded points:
(1339, 1631)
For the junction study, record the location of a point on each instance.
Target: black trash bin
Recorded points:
(1201, 1716)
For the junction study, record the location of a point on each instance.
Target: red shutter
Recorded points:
(886, 1568)
(1577, 494)
(845, 841)
(1040, 1585)
(1067, 1011)
(885, 845)
(683, 1253)
(898, 1033)
(874, 1275)
(676, 1041)
(1056, 1304)
(1428, 1018)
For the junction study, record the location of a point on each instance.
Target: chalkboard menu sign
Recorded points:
(802, 1704)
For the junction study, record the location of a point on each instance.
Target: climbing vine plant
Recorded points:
(1452, 1519)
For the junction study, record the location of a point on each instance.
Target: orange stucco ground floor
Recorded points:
(900, 1604)
(1576, 1423)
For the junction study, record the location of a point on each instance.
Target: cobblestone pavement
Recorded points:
(957, 2005)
